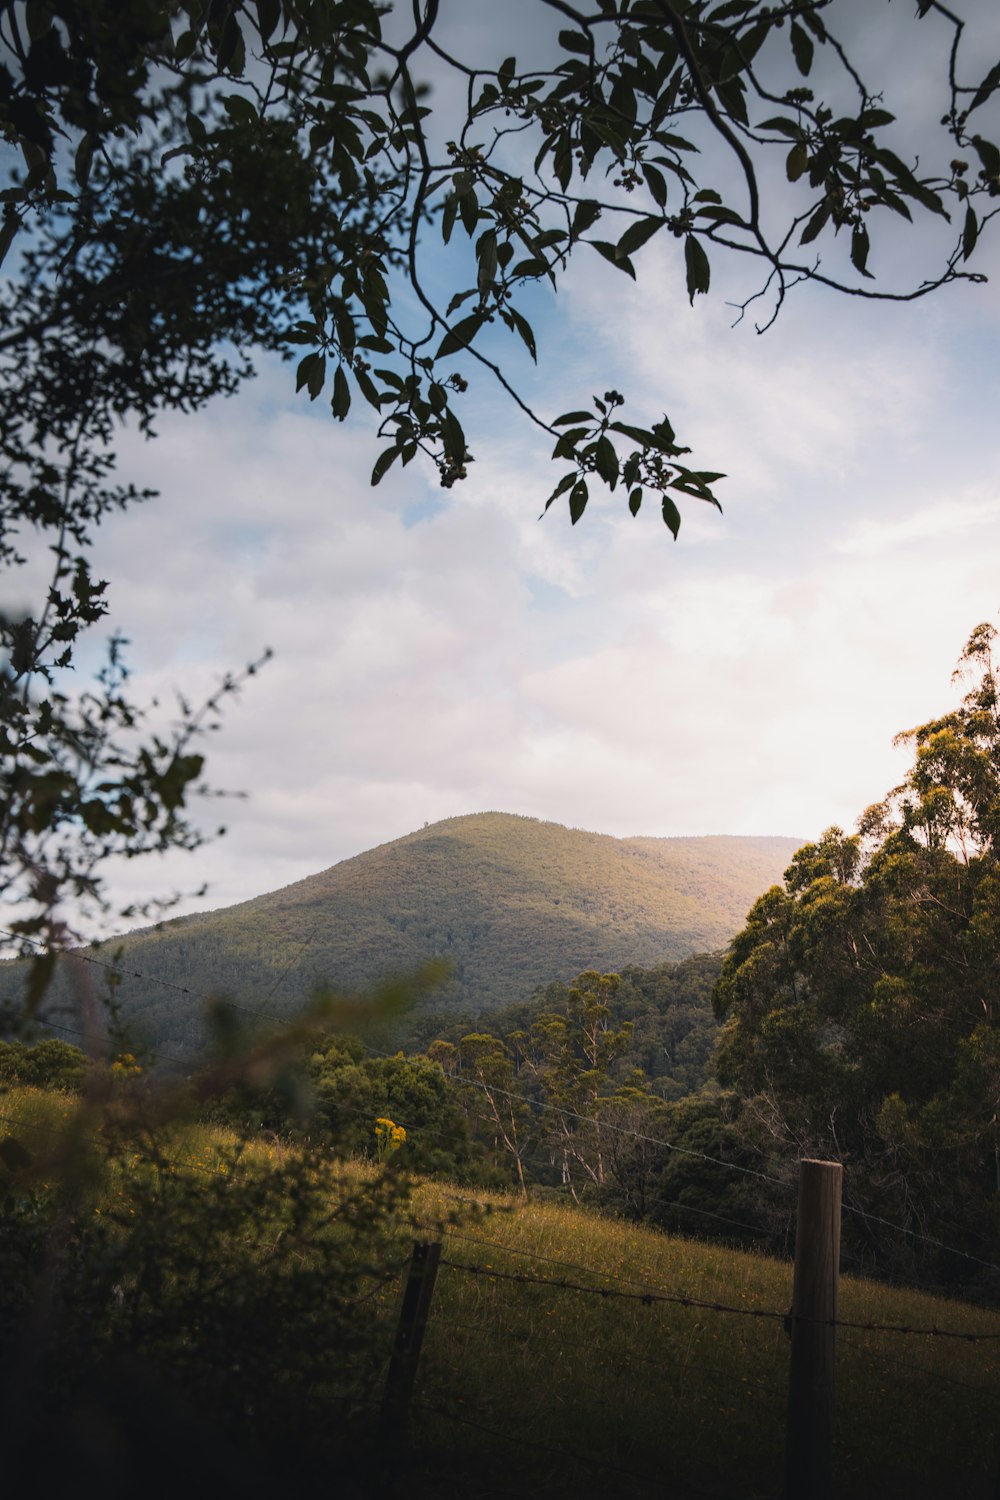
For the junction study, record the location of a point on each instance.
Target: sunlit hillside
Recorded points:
(510, 902)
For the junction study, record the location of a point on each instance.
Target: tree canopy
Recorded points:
(862, 998)
(193, 183)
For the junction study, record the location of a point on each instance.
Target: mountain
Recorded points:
(511, 902)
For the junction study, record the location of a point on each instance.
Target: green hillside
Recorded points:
(510, 901)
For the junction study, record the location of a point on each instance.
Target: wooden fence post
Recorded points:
(808, 1452)
(394, 1416)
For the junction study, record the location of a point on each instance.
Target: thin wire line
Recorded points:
(552, 1260)
(636, 1135)
(927, 1239)
(649, 1298)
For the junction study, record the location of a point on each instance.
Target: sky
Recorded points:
(440, 652)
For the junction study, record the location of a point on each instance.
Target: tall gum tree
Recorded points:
(861, 1001)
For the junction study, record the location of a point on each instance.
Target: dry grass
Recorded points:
(537, 1390)
(666, 1394)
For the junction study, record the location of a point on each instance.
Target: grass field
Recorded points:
(532, 1389)
(604, 1395)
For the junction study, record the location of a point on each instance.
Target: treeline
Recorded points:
(602, 1091)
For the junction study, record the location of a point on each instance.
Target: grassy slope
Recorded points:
(538, 1390)
(512, 903)
(640, 1399)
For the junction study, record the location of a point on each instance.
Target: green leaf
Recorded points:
(461, 335)
(454, 437)
(657, 184)
(524, 329)
(988, 155)
(970, 232)
(486, 254)
(367, 389)
(564, 484)
(268, 16)
(232, 55)
(817, 220)
(468, 210)
(383, 463)
(671, 515)
(571, 417)
(797, 161)
(458, 299)
(802, 48)
(341, 403)
(317, 376)
(790, 128)
(860, 246)
(578, 500)
(346, 331)
(610, 253)
(585, 217)
(304, 371)
(239, 109)
(572, 41)
(530, 269)
(636, 235)
(699, 272)
(637, 434)
(634, 501)
(988, 86)
(81, 164)
(606, 461)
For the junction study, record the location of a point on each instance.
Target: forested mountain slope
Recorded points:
(510, 901)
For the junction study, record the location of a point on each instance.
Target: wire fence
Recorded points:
(519, 1340)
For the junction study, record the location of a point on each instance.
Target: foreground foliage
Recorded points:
(167, 1282)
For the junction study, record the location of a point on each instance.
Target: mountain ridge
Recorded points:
(511, 901)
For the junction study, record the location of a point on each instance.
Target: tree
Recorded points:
(862, 998)
(492, 1095)
(570, 1052)
(203, 180)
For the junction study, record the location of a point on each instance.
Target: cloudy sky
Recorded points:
(439, 652)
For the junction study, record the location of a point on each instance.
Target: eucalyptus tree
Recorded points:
(861, 1001)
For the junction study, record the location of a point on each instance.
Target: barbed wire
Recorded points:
(649, 1299)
